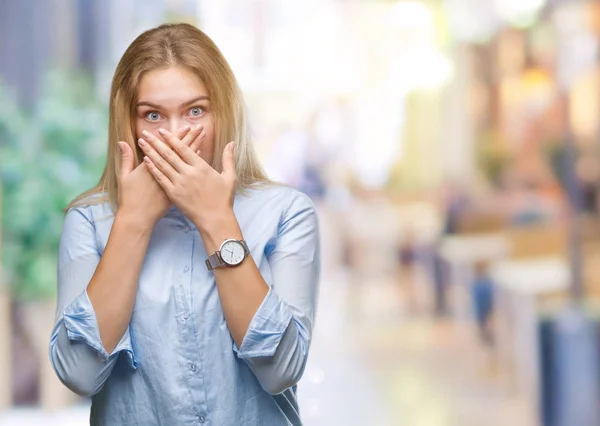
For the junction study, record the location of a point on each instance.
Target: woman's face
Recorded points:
(172, 98)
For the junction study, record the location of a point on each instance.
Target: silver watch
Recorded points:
(231, 253)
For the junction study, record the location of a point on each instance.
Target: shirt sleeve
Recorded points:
(76, 351)
(278, 338)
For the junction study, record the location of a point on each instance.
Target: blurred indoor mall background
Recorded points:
(452, 148)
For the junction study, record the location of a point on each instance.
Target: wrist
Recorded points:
(217, 228)
(133, 223)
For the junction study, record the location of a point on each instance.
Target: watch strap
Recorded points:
(214, 261)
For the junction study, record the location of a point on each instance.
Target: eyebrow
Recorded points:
(191, 101)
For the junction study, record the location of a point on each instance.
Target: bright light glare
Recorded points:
(471, 20)
(378, 142)
(410, 15)
(422, 67)
(518, 10)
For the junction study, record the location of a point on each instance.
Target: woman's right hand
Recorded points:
(140, 196)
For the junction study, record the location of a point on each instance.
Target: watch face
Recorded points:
(232, 252)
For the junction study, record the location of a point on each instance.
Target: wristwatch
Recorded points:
(231, 253)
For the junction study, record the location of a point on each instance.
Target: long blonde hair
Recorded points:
(166, 46)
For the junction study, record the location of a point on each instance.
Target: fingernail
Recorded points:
(162, 131)
(147, 160)
(120, 144)
(185, 128)
(198, 127)
(141, 142)
(146, 133)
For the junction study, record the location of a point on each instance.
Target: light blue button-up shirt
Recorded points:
(177, 363)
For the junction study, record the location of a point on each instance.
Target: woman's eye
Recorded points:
(153, 116)
(196, 112)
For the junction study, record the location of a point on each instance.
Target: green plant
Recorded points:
(492, 155)
(47, 157)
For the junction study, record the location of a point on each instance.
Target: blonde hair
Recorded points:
(181, 45)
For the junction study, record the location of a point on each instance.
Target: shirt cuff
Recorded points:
(266, 328)
(81, 324)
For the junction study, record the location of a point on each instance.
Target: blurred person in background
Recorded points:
(454, 204)
(187, 281)
(588, 175)
(482, 294)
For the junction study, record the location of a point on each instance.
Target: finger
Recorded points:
(126, 159)
(159, 176)
(191, 136)
(185, 152)
(195, 145)
(228, 160)
(158, 161)
(165, 151)
(183, 131)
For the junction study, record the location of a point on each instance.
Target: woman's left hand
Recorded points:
(201, 193)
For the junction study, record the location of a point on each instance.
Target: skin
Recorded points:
(174, 171)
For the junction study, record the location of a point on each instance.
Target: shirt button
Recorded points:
(193, 367)
(186, 316)
(186, 229)
(186, 268)
(202, 419)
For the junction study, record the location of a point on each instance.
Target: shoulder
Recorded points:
(92, 208)
(282, 198)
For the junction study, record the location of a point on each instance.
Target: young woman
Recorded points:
(187, 281)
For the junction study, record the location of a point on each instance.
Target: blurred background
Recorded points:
(452, 148)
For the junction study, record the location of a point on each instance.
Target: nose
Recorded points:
(174, 125)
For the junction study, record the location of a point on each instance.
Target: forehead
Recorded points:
(174, 84)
